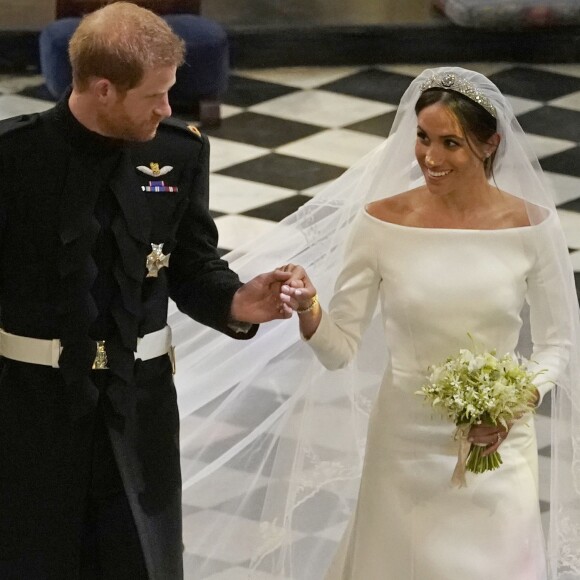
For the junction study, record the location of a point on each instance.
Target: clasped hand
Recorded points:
(272, 295)
(298, 291)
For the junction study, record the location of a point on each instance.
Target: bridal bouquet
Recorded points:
(474, 388)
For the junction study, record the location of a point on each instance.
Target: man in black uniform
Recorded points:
(103, 217)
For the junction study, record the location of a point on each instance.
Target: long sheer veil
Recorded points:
(272, 444)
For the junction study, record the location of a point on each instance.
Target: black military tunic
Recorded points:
(79, 213)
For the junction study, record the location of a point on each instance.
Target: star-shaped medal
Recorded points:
(156, 260)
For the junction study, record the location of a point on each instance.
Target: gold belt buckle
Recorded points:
(100, 362)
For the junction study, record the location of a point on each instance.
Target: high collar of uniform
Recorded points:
(81, 136)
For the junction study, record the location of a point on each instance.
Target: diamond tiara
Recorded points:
(452, 82)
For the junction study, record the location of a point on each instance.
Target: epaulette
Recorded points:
(189, 128)
(13, 124)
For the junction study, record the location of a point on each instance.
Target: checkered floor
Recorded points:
(287, 132)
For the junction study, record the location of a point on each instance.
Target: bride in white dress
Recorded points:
(451, 229)
(451, 262)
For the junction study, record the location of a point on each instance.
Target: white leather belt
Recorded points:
(39, 351)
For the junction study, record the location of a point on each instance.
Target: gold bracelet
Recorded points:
(312, 304)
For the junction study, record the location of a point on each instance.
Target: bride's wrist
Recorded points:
(312, 306)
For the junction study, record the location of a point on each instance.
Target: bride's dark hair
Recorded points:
(473, 118)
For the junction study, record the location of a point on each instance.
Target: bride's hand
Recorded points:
(488, 436)
(298, 291)
(492, 436)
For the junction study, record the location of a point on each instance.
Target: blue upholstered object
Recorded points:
(203, 76)
(510, 13)
(54, 63)
(206, 69)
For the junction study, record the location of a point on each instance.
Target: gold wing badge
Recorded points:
(154, 170)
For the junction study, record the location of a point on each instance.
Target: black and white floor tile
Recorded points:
(287, 132)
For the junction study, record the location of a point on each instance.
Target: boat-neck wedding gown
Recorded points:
(435, 286)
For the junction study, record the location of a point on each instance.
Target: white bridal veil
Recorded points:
(272, 443)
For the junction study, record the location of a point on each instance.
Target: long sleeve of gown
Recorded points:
(551, 328)
(336, 340)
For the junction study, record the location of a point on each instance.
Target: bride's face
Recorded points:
(451, 164)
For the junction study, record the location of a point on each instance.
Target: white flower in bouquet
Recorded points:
(473, 388)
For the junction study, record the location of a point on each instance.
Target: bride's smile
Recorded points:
(451, 161)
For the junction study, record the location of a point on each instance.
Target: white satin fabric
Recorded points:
(273, 444)
(435, 286)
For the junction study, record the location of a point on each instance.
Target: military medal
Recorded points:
(154, 170)
(159, 186)
(100, 361)
(156, 260)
